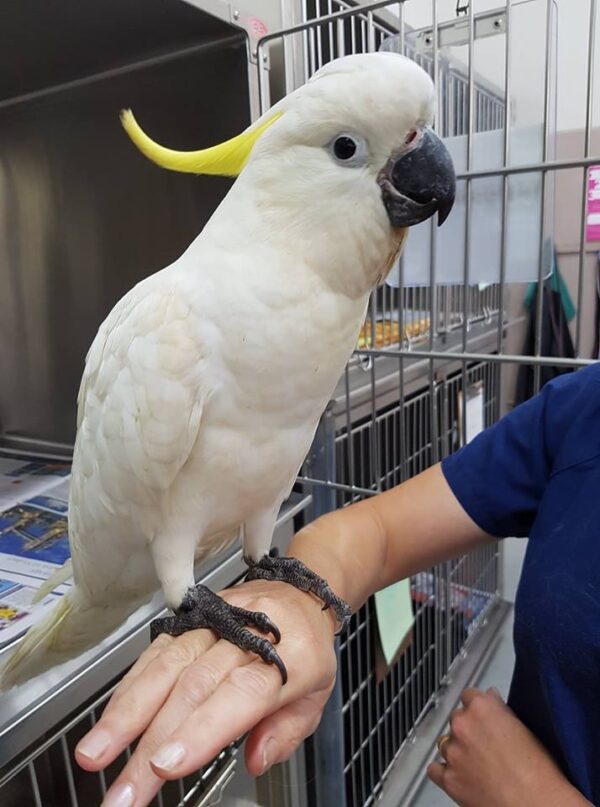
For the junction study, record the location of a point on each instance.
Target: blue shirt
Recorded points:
(537, 473)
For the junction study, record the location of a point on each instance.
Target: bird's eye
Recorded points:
(349, 150)
(344, 147)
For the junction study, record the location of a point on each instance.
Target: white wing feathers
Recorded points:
(141, 395)
(140, 406)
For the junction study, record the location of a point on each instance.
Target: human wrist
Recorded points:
(319, 547)
(556, 791)
(563, 794)
(310, 605)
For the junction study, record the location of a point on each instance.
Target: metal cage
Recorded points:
(400, 406)
(50, 777)
(335, 28)
(449, 601)
(398, 409)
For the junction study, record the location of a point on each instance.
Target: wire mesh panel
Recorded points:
(48, 776)
(390, 438)
(451, 309)
(449, 601)
(381, 444)
(337, 28)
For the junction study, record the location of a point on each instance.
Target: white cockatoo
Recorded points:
(204, 386)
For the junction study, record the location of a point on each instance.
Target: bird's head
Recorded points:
(354, 143)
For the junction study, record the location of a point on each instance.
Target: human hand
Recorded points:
(190, 697)
(492, 758)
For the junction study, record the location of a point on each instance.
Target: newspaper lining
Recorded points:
(34, 540)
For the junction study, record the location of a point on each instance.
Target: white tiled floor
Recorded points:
(497, 674)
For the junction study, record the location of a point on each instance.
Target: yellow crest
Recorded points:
(227, 159)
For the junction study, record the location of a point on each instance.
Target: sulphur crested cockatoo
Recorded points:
(204, 386)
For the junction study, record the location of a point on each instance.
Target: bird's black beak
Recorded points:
(419, 182)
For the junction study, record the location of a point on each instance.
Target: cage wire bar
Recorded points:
(440, 327)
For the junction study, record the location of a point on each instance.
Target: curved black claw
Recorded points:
(201, 608)
(293, 571)
(342, 611)
(258, 620)
(263, 648)
(274, 659)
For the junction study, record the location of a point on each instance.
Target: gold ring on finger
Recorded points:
(442, 742)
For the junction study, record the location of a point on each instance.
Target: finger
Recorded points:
(436, 772)
(194, 686)
(159, 645)
(249, 694)
(456, 716)
(496, 695)
(132, 708)
(469, 695)
(276, 737)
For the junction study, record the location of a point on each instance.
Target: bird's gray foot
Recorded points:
(201, 608)
(293, 571)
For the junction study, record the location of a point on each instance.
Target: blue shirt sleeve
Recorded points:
(500, 476)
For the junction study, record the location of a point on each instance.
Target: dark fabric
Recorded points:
(556, 341)
(537, 473)
(596, 351)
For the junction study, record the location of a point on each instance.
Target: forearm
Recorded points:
(564, 795)
(367, 546)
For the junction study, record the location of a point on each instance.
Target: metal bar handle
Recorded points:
(215, 792)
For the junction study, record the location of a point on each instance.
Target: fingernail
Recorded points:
(496, 692)
(95, 744)
(169, 756)
(270, 752)
(121, 796)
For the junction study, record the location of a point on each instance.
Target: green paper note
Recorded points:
(393, 607)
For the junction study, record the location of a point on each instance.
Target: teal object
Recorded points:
(393, 607)
(556, 282)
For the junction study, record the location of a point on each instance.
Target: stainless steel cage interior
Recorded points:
(425, 350)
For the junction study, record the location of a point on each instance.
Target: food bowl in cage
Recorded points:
(388, 333)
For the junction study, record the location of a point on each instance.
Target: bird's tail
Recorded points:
(61, 576)
(71, 627)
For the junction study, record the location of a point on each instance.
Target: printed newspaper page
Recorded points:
(34, 539)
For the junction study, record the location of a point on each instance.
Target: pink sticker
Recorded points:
(257, 28)
(593, 204)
